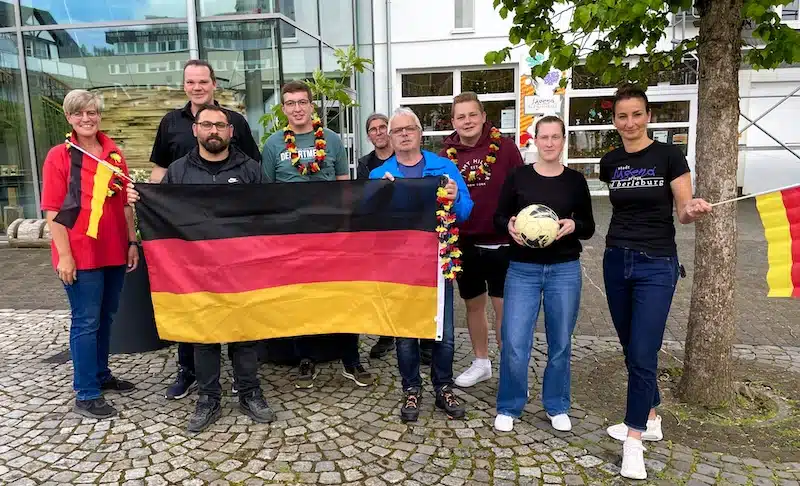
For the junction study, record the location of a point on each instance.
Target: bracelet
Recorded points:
(133, 243)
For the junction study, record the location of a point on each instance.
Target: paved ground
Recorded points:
(28, 282)
(332, 434)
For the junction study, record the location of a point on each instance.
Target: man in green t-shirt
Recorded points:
(282, 163)
(305, 151)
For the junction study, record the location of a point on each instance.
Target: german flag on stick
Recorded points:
(242, 262)
(780, 214)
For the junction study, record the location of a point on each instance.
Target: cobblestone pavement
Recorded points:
(28, 282)
(335, 433)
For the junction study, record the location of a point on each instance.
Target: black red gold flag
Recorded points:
(243, 262)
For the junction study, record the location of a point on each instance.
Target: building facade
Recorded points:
(436, 50)
(133, 53)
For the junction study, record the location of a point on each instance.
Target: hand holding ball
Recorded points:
(537, 226)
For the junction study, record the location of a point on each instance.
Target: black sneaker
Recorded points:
(206, 413)
(426, 351)
(184, 384)
(96, 409)
(114, 384)
(305, 379)
(409, 412)
(447, 401)
(359, 375)
(383, 347)
(254, 406)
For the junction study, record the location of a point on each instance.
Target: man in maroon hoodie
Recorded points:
(484, 159)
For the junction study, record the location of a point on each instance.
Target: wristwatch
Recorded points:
(134, 243)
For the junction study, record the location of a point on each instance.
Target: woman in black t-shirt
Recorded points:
(536, 277)
(640, 266)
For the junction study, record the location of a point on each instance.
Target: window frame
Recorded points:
(410, 101)
(466, 6)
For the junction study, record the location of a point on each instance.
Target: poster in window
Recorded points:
(680, 138)
(661, 136)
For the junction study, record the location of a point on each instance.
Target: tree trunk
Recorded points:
(707, 375)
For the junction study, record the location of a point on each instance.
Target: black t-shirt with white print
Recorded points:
(641, 197)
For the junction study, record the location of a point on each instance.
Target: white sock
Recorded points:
(485, 362)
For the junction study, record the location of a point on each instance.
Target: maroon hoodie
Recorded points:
(479, 228)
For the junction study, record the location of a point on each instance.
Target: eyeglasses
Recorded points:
(207, 125)
(403, 130)
(300, 103)
(88, 113)
(377, 130)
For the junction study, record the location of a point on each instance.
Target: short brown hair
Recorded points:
(200, 63)
(466, 97)
(295, 87)
(628, 91)
(377, 116)
(550, 119)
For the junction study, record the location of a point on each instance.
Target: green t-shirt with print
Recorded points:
(278, 167)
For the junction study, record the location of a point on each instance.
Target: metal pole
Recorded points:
(389, 83)
(753, 122)
(191, 20)
(26, 102)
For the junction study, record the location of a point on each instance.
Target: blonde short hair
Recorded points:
(79, 100)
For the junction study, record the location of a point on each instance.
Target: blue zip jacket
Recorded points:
(434, 166)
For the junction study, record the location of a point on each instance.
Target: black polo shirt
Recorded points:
(175, 139)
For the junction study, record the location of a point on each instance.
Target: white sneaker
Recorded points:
(560, 422)
(633, 459)
(653, 432)
(474, 374)
(504, 423)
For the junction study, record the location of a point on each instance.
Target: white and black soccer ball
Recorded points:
(537, 225)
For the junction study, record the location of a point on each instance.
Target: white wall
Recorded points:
(763, 163)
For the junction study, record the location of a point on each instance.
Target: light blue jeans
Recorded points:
(558, 288)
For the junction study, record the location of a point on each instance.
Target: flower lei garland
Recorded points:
(319, 148)
(483, 170)
(114, 159)
(449, 253)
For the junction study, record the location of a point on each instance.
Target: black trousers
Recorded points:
(186, 356)
(244, 357)
(304, 348)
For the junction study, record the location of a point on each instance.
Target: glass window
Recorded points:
(16, 178)
(685, 73)
(433, 143)
(427, 84)
(586, 144)
(337, 22)
(494, 111)
(253, 46)
(7, 18)
(674, 136)
(669, 112)
(465, 14)
(304, 12)
(52, 12)
(300, 58)
(590, 111)
(433, 118)
(488, 81)
(82, 59)
(789, 12)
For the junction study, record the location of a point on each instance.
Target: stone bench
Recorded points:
(28, 233)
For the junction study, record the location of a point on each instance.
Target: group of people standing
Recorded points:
(489, 184)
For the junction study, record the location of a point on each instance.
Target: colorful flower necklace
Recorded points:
(483, 170)
(319, 148)
(449, 254)
(115, 159)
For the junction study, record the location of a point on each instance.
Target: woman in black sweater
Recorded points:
(548, 276)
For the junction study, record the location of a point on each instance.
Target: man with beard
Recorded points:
(484, 159)
(215, 161)
(176, 138)
(305, 151)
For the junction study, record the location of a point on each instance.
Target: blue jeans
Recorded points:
(639, 289)
(93, 300)
(442, 363)
(558, 288)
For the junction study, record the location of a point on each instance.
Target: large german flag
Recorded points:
(242, 262)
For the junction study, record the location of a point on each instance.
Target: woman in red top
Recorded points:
(94, 241)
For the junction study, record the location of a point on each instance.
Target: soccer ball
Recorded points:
(537, 225)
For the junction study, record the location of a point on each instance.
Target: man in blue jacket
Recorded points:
(409, 160)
